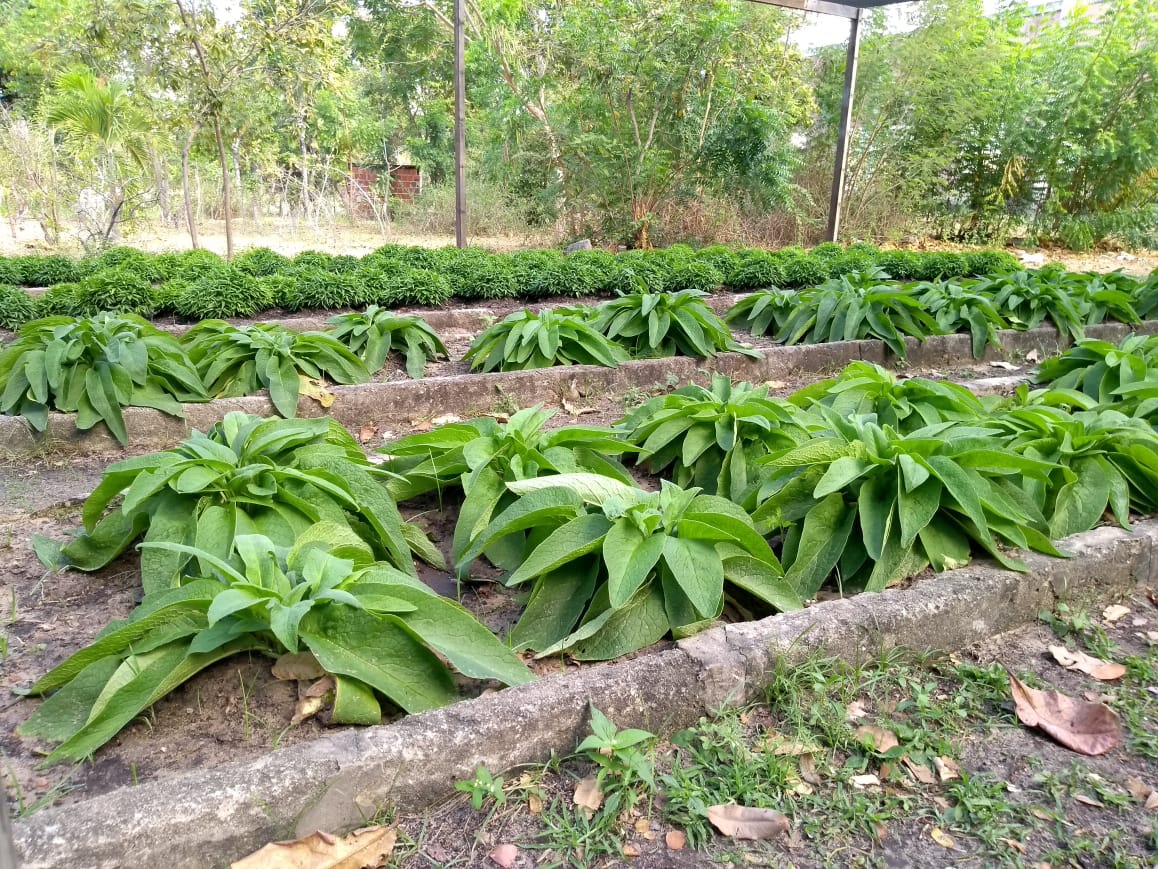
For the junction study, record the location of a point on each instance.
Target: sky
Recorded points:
(829, 30)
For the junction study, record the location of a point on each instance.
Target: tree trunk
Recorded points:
(235, 149)
(190, 216)
(226, 186)
(305, 167)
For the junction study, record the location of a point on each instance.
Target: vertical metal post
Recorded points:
(834, 203)
(459, 127)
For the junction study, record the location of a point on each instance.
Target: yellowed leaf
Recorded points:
(362, 849)
(1087, 728)
(1103, 671)
(642, 825)
(588, 796)
(317, 390)
(302, 666)
(746, 822)
(1041, 814)
(675, 840)
(942, 838)
(947, 769)
(1019, 847)
(1114, 612)
(534, 804)
(876, 738)
(504, 855)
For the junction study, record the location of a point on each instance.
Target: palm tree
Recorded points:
(102, 130)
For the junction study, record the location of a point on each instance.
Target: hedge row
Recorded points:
(200, 285)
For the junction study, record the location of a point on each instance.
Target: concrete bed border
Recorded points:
(400, 402)
(334, 783)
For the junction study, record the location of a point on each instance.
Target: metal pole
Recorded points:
(834, 203)
(7, 847)
(459, 127)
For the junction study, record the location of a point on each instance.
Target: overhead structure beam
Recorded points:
(838, 173)
(824, 7)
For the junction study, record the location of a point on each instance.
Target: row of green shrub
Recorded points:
(199, 285)
(279, 537)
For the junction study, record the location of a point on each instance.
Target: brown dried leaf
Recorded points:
(362, 849)
(1088, 801)
(942, 838)
(642, 825)
(588, 795)
(745, 822)
(1114, 612)
(534, 804)
(576, 409)
(1138, 789)
(1087, 728)
(855, 710)
(629, 850)
(1151, 801)
(947, 769)
(313, 701)
(920, 772)
(783, 746)
(808, 769)
(367, 432)
(675, 840)
(505, 855)
(880, 831)
(1103, 671)
(1016, 846)
(302, 666)
(865, 781)
(876, 738)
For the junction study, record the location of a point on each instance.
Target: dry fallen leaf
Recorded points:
(942, 838)
(864, 781)
(675, 840)
(1114, 612)
(808, 769)
(629, 850)
(446, 419)
(316, 389)
(776, 384)
(855, 710)
(1103, 671)
(876, 738)
(642, 825)
(1041, 814)
(782, 746)
(1033, 356)
(1016, 846)
(313, 701)
(366, 433)
(1087, 728)
(745, 822)
(505, 855)
(361, 849)
(880, 831)
(534, 804)
(1138, 789)
(947, 769)
(302, 666)
(920, 772)
(1006, 366)
(588, 795)
(1088, 801)
(1152, 801)
(576, 409)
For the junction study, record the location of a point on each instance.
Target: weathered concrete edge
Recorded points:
(209, 818)
(400, 402)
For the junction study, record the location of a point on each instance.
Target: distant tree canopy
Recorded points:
(637, 121)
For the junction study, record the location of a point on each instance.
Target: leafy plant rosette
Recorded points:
(878, 506)
(856, 306)
(95, 367)
(958, 309)
(863, 388)
(1102, 460)
(481, 456)
(526, 340)
(1100, 369)
(614, 568)
(764, 312)
(710, 438)
(247, 475)
(667, 324)
(376, 630)
(1026, 299)
(241, 360)
(375, 333)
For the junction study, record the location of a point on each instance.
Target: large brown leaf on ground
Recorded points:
(362, 849)
(1087, 728)
(744, 822)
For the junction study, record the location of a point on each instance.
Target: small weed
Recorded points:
(505, 404)
(482, 787)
